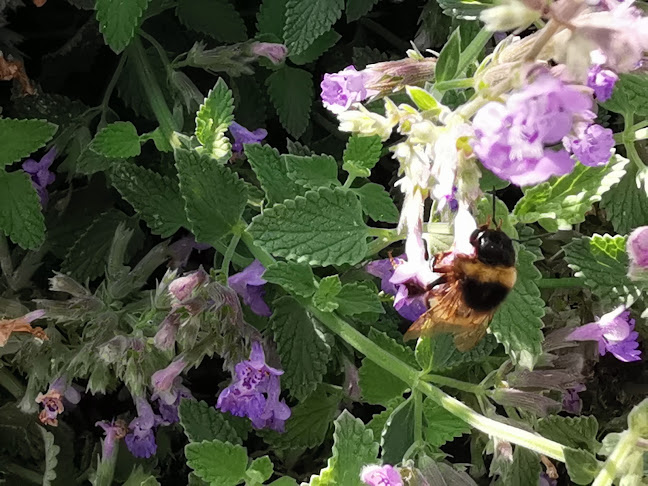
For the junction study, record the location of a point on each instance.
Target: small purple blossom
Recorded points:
(162, 380)
(169, 391)
(182, 288)
(637, 248)
(255, 393)
(58, 394)
(141, 438)
(244, 136)
(41, 176)
(591, 146)
(340, 90)
(114, 431)
(511, 139)
(249, 285)
(571, 402)
(386, 475)
(165, 337)
(602, 81)
(614, 333)
(275, 52)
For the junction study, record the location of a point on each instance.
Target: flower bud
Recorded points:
(182, 288)
(275, 52)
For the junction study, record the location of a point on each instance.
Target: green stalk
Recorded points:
(106, 467)
(456, 384)
(628, 138)
(625, 446)
(153, 92)
(454, 84)
(473, 50)
(229, 253)
(110, 88)
(560, 283)
(418, 416)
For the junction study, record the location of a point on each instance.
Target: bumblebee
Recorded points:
(471, 288)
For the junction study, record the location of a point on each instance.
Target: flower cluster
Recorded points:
(254, 393)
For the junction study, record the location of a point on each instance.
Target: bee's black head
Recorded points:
(493, 247)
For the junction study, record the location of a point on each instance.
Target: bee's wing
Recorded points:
(448, 313)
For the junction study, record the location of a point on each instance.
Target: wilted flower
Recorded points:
(40, 174)
(22, 324)
(182, 288)
(637, 248)
(614, 333)
(249, 285)
(592, 146)
(242, 136)
(511, 139)
(386, 475)
(340, 90)
(602, 81)
(53, 401)
(114, 431)
(255, 393)
(275, 52)
(141, 438)
(571, 402)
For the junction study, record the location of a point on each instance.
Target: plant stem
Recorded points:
(454, 84)
(110, 88)
(472, 51)
(456, 384)
(625, 445)
(153, 92)
(629, 139)
(418, 416)
(349, 180)
(10, 383)
(6, 264)
(229, 253)
(545, 34)
(560, 283)
(383, 242)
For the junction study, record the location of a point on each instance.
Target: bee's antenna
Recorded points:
(494, 205)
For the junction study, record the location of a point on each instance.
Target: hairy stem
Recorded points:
(456, 384)
(626, 444)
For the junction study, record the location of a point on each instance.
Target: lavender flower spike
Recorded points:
(141, 439)
(243, 136)
(114, 431)
(40, 174)
(386, 475)
(614, 333)
(249, 285)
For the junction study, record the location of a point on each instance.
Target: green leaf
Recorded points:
(422, 98)
(202, 422)
(377, 203)
(439, 354)
(307, 20)
(525, 468)
(21, 218)
(20, 138)
(302, 348)
(629, 95)
(582, 466)
(260, 470)
(517, 323)
(312, 171)
(323, 227)
(213, 117)
(576, 432)
(216, 462)
(308, 424)
(155, 197)
(90, 162)
(296, 278)
(272, 18)
(448, 63)
(138, 477)
(214, 195)
(440, 425)
(216, 18)
(358, 8)
(563, 202)
(285, 481)
(361, 155)
(327, 291)
(270, 169)
(626, 205)
(51, 451)
(118, 21)
(322, 44)
(291, 93)
(378, 421)
(379, 386)
(118, 140)
(602, 262)
(358, 298)
(398, 435)
(353, 448)
(638, 418)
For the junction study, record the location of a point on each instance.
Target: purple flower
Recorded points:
(511, 140)
(182, 288)
(591, 146)
(141, 439)
(114, 431)
(249, 285)
(386, 475)
(602, 81)
(571, 402)
(545, 480)
(255, 393)
(242, 136)
(41, 177)
(54, 400)
(340, 90)
(637, 248)
(614, 333)
(275, 52)
(169, 391)
(165, 337)
(162, 380)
